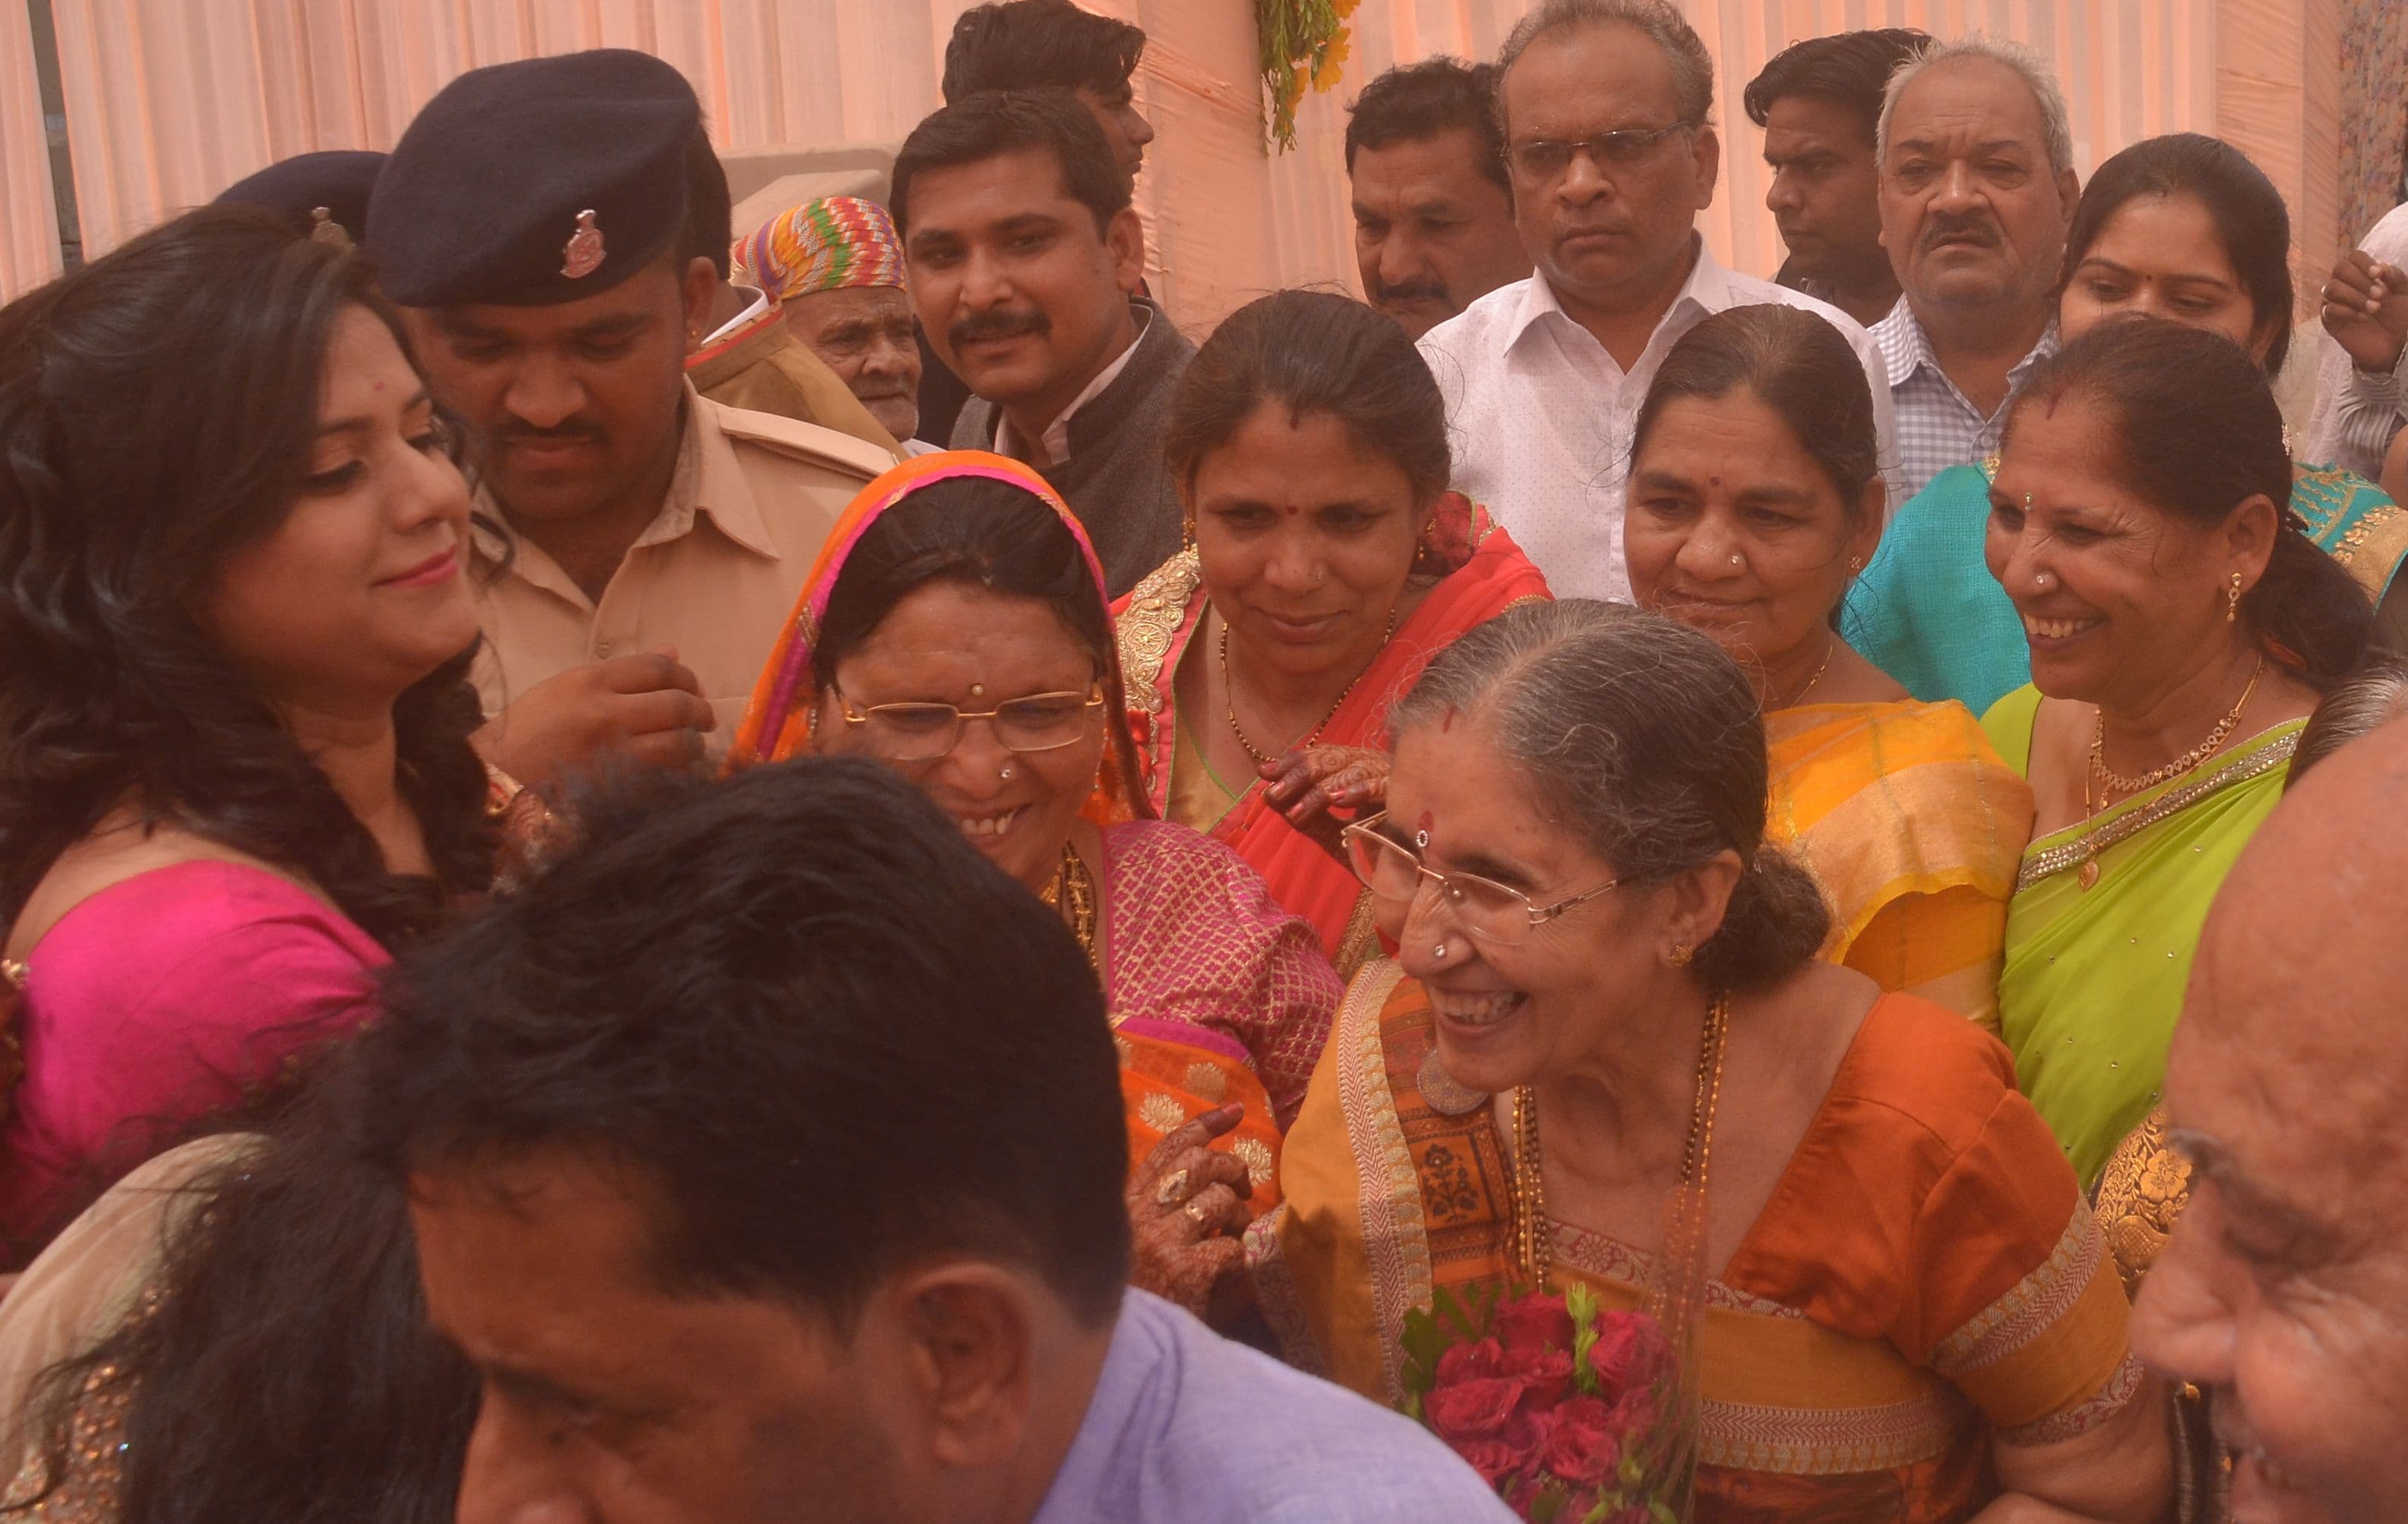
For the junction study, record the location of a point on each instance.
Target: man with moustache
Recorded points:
(1977, 189)
(833, 269)
(1433, 208)
(1605, 105)
(2284, 1291)
(1819, 103)
(1024, 255)
(638, 546)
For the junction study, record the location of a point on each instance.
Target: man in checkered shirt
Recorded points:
(1977, 188)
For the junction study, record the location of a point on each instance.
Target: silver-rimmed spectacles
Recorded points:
(926, 732)
(1542, 161)
(1490, 911)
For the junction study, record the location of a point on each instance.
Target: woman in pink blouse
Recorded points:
(236, 765)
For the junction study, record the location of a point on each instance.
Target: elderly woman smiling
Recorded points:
(2182, 628)
(1607, 998)
(1754, 497)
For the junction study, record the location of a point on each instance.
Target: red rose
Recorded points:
(1493, 1459)
(1532, 1322)
(1630, 1351)
(1479, 1361)
(1545, 1375)
(1636, 1416)
(1582, 1443)
(1526, 1435)
(1470, 1410)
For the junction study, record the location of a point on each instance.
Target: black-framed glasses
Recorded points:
(926, 732)
(1488, 910)
(1544, 158)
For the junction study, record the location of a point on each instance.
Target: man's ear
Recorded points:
(698, 293)
(970, 1331)
(1124, 238)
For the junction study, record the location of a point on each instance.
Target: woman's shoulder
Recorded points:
(1147, 621)
(1181, 867)
(186, 915)
(1921, 1080)
(2009, 724)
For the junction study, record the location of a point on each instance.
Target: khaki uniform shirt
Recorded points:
(763, 366)
(715, 575)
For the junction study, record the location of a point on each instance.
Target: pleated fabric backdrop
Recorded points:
(169, 100)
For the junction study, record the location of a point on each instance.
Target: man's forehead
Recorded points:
(1969, 97)
(1627, 76)
(965, 198)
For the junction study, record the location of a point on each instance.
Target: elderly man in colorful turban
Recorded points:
(836, 267)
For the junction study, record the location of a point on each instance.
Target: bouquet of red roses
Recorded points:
(1570, 1411)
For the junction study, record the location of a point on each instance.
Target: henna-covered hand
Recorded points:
(1187, 1209)
(1308, 785)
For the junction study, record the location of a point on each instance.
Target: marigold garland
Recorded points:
(1304, 46)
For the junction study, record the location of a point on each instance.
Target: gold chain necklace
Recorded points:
(1533, 1241)
(1831, 643)
(1229, 694)
(1073, 885)
(2113, 782)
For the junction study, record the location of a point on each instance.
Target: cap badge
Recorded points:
(583, 253)
(323, 229)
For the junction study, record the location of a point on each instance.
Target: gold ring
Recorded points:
(1173, 1188)
(1196, 1214)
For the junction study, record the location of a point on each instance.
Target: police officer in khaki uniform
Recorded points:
(638, 545)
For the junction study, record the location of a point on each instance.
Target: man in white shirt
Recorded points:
(2365, 311)
(1605, 106)
(1977, 189)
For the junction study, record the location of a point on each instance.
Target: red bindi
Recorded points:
(1293, 511)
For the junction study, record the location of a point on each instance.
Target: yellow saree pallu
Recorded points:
(2095, 973)
(1912, 825)
(1924, 1277)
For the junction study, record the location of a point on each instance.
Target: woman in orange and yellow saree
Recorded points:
(1607, 1058)
(1755, 498)
(957, 628)
(1328, 562)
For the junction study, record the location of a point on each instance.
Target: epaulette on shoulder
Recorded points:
(811, 442)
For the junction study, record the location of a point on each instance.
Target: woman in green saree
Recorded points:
(2181, 627)
(2184, 229)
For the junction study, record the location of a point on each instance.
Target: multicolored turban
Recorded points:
(820, 246)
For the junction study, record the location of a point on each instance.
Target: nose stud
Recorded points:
(1006, 774)
(1439, 952)
(1735, 559)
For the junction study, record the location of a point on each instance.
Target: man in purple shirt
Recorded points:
(767, 1162)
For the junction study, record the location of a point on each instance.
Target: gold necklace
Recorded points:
(2115, 783)
(1073, 885)
(1533, 1241)
(1229, 694)
(1831, 643)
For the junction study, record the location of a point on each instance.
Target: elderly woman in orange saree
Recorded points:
(1754, 499)
(1328, 562)
(957, 628)
(1607, 1059)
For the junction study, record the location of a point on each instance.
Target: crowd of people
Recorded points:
(656, 871)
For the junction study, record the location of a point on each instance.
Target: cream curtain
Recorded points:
(170, 100)
(29, 220)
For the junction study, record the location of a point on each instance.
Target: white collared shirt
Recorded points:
(760, 304)
(1056, 440)
(2357, 411)
(1540, 415)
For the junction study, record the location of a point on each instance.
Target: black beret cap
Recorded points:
(531, 183)
(338, 181)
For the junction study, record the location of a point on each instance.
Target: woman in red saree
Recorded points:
(1326, 564)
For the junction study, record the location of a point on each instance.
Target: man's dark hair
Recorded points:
(710, 213)
(991, 125)
(1851, 67)
(835, 1039)
(1037, 44)
(1425, 99)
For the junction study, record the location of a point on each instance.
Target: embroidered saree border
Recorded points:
(1830, 1441)
(1395, 1235)
(2075, 1421)
(2031, 1306)
(2052, 861)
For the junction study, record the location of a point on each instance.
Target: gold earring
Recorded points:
(2028, 500)
(1682, 954)
(2232, 601)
